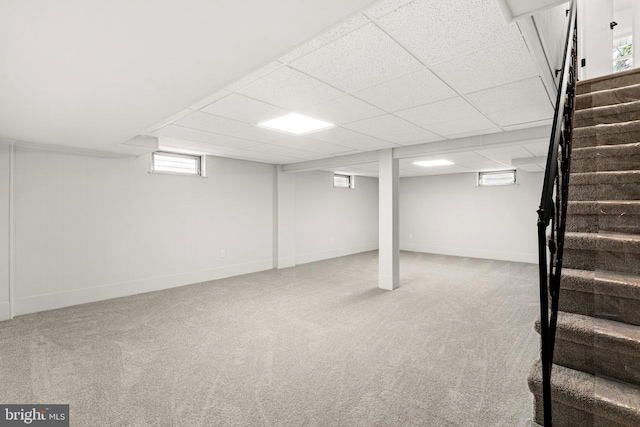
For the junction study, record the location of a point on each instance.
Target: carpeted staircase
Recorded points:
(596, 372)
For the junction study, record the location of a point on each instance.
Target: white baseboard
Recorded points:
(531, 258)
(5, 311)
(54, 301)
(337, 252)
(286, 262)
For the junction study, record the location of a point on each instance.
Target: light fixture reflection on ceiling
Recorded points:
(431, 163)
(296, 124)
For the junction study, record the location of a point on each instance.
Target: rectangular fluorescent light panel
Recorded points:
(430, 163)
(296, 124)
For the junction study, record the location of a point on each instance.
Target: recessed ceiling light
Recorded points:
(429, 163)
(296, 123)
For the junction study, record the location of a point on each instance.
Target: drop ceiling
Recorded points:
(389, 74)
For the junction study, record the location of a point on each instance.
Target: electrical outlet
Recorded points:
(411, 235)
(330, 240)
(223, 253)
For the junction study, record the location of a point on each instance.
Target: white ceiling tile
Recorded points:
(494, 66)
(539, 123)
(290, 89)
(437, 30)
(261, 157)
(327, 37)
(231, 141)
(261, 72)
(360, 59)
(386, 123)
(511, 96)
(412, 136)
(210, 148)
(210, 99)
(410, 90)
(475, 131)
(538, 149)
(530, 113)
(531, 168)
(349, 138)
(466, 126)
(386, 6)
(505, 154)
(393, 129)
(342, 110)
(278, 150)
(259, 134)
(314, 146)
(209, 123)
(183, 133)
(244, 109)
(437, 112)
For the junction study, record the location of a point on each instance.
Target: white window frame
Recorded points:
(201, 162)
(351, 178)
(481, 174)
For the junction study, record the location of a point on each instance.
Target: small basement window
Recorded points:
(343, 181)
(491, 179)
(182, 164)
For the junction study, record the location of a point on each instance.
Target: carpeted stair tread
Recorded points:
(613, 336)
(608, 114)
(597, 346)
(613, 96)
(606, 241)
(601, 283)
(616, 252)
(619, 185)
(610, 402)
(602, 294)
(612, 81)
(606, 134)
(590, 216)
(606, 158)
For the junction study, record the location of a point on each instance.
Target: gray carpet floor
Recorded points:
(314, 345)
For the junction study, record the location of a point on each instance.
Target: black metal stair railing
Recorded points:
(553, 208)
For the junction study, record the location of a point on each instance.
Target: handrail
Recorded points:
(553, 208)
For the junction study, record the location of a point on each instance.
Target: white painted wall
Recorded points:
(333, 222)
(94, 228)
(552, 27)
(448, 214)
(4, 231)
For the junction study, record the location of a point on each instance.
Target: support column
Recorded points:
(285, 219)
(389, 244)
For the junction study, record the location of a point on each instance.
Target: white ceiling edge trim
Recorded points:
(70, 150)
(493, 140)
(332, 162)
(529, 161)
(526, 8)
(534, 42)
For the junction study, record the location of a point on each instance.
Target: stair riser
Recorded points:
(611, 83)
(595, 223)
(604, 159)
(597, 361)
(604, 191)
(606, 115)
(600, 99)
(606, 135)
(623, 310)
(567, 416)
(584, 259)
